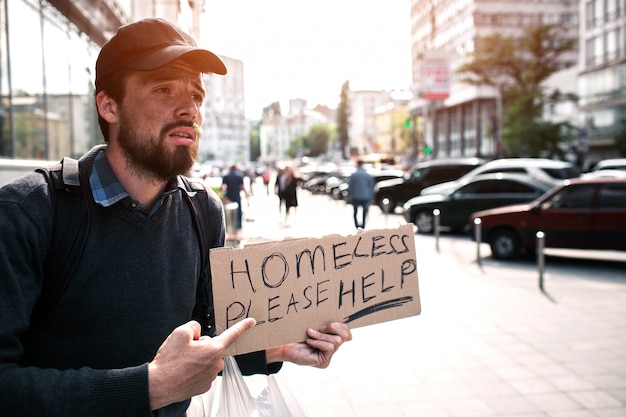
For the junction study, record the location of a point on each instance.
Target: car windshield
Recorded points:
(561, 173)
(495, 187)
(416, 174)
(574, 197)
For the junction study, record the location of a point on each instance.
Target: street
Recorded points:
(488, 342)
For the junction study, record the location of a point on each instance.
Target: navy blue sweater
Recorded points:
(136, 281)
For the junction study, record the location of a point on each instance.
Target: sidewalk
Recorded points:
(488, 342)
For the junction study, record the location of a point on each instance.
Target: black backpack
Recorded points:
(71, 228)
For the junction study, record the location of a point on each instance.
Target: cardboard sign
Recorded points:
(291, 285)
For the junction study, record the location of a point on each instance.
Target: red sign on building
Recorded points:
(435, 77)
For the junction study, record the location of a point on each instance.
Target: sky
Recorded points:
(308, 48)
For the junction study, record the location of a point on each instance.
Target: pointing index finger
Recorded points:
(232, 334)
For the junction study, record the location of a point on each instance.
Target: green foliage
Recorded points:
(313, 143)
(518, 67)
(317, 139)
(342, 119)
(294, 147)
(620, 139)
(255, 141)
(542, 139)
(272, 109)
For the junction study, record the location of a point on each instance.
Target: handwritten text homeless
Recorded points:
(291, 285)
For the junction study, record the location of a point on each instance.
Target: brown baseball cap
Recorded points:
(151, 43)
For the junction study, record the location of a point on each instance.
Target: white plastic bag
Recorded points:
(231, 396)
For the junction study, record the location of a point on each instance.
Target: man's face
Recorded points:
(159, 120)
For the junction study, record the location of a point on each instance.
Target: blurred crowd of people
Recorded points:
(238, 184)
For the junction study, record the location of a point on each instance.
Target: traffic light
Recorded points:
(427, 150)
(408, 123)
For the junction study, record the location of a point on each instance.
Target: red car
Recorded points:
(578, 214)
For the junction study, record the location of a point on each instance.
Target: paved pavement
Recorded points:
(488, 341)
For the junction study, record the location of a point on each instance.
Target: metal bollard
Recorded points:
(540, 260)
(386, 210)
(436, 214)
(230, 217)
(478, 237)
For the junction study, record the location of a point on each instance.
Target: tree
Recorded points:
(271, 110)
(313, 143)
(255, 141)
(343, 113)
(317, 139)
(620, 139)
(518, 67)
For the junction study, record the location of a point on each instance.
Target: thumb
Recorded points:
(232, 334)
(192, 328)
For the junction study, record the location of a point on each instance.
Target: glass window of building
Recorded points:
(47, 93)
(611, 9)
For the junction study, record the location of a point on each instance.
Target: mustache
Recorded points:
(181, 123)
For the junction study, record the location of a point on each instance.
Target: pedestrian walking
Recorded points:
(266, 180)
(279, 190)
(360, 193)
(290, 192)
(233, 186)
(128, 328)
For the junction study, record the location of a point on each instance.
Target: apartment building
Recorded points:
(602, 75)
(225, 131)
(279, 129)
(48, 51)
(46, 75)
(362, 129)
(461, 120)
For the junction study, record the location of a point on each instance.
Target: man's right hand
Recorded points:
(186, 364)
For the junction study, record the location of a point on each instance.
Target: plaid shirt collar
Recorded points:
(107, 190)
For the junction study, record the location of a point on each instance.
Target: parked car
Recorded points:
(579, 213)
(615, 163)
(335, 179)
(393, 193)
(615, 168)
(310, 173)
(473, 194)
(607, 173)
(549, 171)
(318, 184)
(341, 192)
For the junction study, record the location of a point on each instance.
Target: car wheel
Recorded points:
(425, 221)
(505, 244)
(387, 204)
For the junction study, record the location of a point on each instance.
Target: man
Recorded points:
(360, 193)
(124, 337)
(233, 185)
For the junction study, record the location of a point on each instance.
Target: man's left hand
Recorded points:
(317, 350)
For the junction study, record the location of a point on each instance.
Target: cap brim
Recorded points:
(205, 61)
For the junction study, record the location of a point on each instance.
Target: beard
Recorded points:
(149, 157)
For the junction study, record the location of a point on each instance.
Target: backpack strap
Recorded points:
(70, 229)
(198, 199)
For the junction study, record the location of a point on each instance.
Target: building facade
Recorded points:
(277, 131)
(362, 129)
(602, 76)
(225, 132)
(393, 127)
(48, 51)
(463, 122)
(47, 107)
